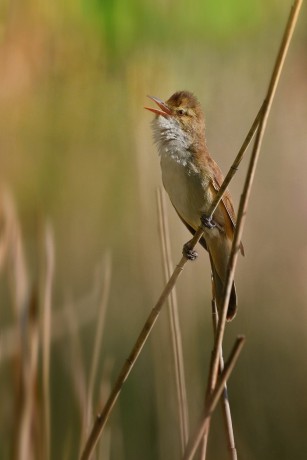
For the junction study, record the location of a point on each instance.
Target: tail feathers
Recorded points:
(218, 292)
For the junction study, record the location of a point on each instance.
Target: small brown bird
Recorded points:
(191, 178)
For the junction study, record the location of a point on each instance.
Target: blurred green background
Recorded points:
(76, 148)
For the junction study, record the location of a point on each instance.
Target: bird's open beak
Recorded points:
(164, 110)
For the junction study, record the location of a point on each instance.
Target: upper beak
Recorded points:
(165, 111)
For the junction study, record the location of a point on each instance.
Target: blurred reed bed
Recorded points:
(76, 149)
(25, 348)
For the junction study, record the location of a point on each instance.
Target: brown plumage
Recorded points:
(191, 178)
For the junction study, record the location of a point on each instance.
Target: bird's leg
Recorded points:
(189, 253)
(207, 222)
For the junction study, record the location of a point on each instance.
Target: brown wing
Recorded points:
(226, 200)
(217, 181)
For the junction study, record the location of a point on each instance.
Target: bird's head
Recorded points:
(179, 118)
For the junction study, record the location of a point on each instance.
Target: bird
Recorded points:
(192, 179)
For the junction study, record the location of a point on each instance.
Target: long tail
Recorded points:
(219, 290)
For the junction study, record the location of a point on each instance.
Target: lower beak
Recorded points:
(164, 110)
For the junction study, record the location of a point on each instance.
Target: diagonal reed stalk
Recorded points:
(260, 121)
(196, 438)
(175, 332)
(231, 447)
(214, 397)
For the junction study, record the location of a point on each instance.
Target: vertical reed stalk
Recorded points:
(102, 308)
(47, 283)
(175, 333)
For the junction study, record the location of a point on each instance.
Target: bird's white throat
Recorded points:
(171, 139)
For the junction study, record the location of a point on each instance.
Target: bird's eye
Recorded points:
(181, 111)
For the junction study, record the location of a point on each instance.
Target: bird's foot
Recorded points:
(189, 253)
(207, 222)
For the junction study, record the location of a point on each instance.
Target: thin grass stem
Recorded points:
(99, 332)
(47, 283)
(175, 332)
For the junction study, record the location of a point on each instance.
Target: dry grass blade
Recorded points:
(27, 443)
(18, 274)
(26, 326)
(175, 332)
(27, 430)
(214, 399)
(9, 337)
(231, 447)
(76, 364)
(7, 218)
(47, 283)
(102, 307)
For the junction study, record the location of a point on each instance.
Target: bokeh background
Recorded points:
(76, 150)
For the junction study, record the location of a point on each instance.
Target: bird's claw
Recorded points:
(189, 253)
(207, 222)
